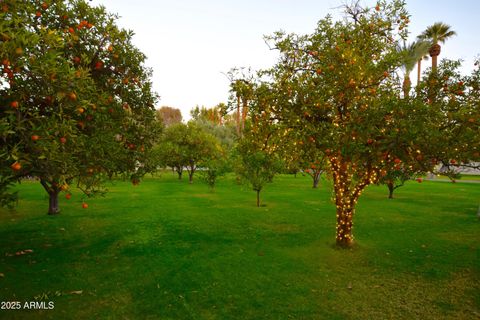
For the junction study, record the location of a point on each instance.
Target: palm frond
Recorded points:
(437, 32)
(413, 52)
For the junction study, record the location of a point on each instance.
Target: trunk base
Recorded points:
(391, 188)
(53, 207)
(344, 235)
(341, 243)
(53, 190)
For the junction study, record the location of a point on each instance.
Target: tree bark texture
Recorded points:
(391, 188)
(316, 180)
(344, 235)
(244, 113)
(238, 115)
(407, 84)
(53, 190)
(419, 71)
(434, 53)
(190, 177)
(347, 191)
(53, 205)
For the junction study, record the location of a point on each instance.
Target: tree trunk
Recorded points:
(53, 207)
(419, 71)
(238, 115)
(347, 191)
(258, 198)
(407, 84)
(391, 188)
(434, 53)
(316, 180)
(344, 236)
(345, 200)
(434, 63)
(244, 113)
(53, 190)
(179, 171)
(191, 171)
(190, 177)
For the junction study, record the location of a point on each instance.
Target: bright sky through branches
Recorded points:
(190, 43)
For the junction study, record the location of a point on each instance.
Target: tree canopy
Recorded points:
(185, 146)
(75, 96)
(338, 88)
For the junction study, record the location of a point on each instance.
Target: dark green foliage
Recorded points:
(214, 168)
(7, 198)
(256, 164)
(185, 146)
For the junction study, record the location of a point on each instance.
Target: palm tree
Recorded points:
(437, 33)
(419, 63)
(410, 55)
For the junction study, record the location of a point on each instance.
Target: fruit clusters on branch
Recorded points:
(75, 96)
(337, 89)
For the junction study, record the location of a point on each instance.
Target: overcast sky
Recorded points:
(191, 43)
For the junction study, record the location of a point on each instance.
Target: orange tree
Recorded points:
(75, 97)
(198, 148)
(303, 155)
(338, 86)
(315, 169)
(256, 163)
(310, 156)
(396, 175)
(186, 146)
(257, 155)
(171, 149)
(454, 101)
(453, 139)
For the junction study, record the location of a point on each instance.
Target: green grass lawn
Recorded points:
(469, 177)
(169, 250)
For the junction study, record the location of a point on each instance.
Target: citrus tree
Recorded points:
(454, 102)
(256, 164)
(396, 176)
(304, 156)
(315, 169)
(215, 166)
(185, 146)
(199, 147)
(170, 151)
(75, 96)
(258, 156)
(338, 87)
